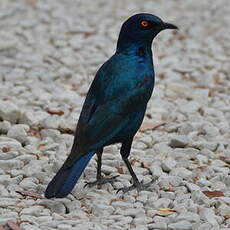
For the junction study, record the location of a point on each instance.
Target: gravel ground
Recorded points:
(49, 52)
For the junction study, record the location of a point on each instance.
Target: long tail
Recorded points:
(65, 179)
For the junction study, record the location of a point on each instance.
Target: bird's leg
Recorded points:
(99, 160)
(100, 179)
(125, 150)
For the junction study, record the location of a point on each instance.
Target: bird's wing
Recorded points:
(110, 118)
(100, 123)
(102, 127)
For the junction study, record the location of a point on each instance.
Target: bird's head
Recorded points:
(141, 29)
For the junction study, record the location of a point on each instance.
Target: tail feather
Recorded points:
(65, 179)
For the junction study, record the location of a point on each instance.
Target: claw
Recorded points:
(140, 186)
(102, 181)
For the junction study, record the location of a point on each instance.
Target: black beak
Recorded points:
(170, 26)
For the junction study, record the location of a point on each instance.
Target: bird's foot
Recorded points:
(139, 186)
(101, 181)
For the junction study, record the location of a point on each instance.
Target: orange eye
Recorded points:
(144, 24)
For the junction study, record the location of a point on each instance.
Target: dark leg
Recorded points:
(100, 179)
(125, 151)
(99, 156)
(132, 173)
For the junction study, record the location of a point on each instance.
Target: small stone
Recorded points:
(54, 134)
(4, 127)
(156, 170)
(203, 182)
(177, 89)
(121, 204)
(189, 216)
(205, 226)
(179, 142)
(3, 190)
(137, 212)
(218, 185)
(9, 164)
(204, 145)
(29, 226)
(65, 227)
(76, 41)
(5, 202)
(226, 180)
(168, 195)
(26, 158)
(186, 128)
(224, 210)
(225, 200)
(202, 159)
(150, 212)
(208, 153)
(140, 221)
(162, 148)
(102, 210)
(50, 148)
(181, 225)
(3, 220)
(51, 122)
(155, 226)
(208, 215)
(9, 111)
(35, 211)
(5, 179)
(188, 107)
(160, 219)
(192, 187)
(181, 194)
(32, 141)
(162, 203)
(108, 169)
(67, 139)
(217, 163)
(40, 115)
(143, 198)
(166, 181)
(168, 164)
(181, 172)
(29, 183)
(54, 205)
(198, 197)
(29, 118)
(6, 153)
(18, 132)
(228, 223)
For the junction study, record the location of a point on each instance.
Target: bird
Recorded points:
(115, 105)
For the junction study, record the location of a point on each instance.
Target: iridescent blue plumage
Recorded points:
(115, 104)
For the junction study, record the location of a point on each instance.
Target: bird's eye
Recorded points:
(145, 24)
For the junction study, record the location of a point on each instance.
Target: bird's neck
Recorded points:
(142, 50)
